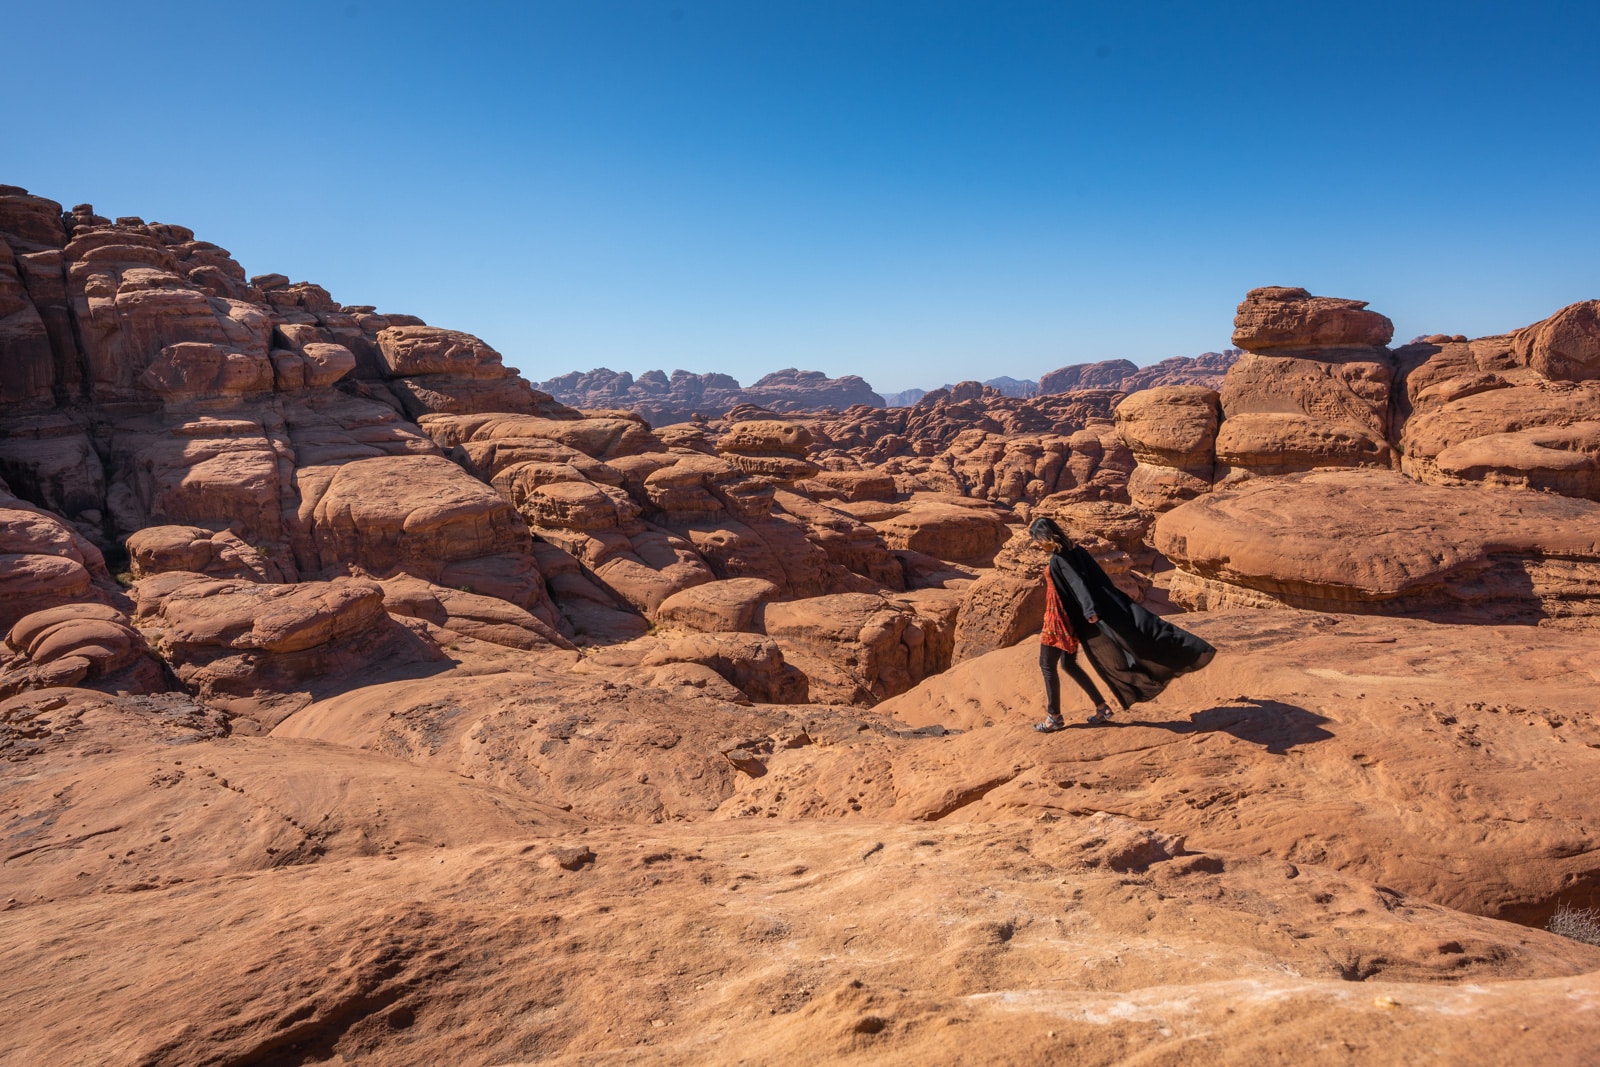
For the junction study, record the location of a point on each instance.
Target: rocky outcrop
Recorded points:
(1205, 370)
(87, 646)
(858, 648)
(1311, 390)
(944, 531)
(731, 605)
(752, 664)
(770, 449)
(1481, 412)
(214, 553)
(1172, 432)
(1107, 374)
(44, 563)
(468, 614)
(1279, 317)
(436, 371)
(1373, 541)
(265, 648)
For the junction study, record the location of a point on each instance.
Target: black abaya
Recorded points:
(1136, 652)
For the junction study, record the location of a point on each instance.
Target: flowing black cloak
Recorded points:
(1137, 653)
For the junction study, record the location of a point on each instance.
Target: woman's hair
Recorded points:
(1045, 528)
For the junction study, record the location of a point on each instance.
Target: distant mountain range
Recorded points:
(664, 400)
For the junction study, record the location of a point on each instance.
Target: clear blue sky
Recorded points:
(917, 192)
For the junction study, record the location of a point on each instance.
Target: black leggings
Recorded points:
(1049, 659)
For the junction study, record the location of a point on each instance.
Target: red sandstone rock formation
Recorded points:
(368, 537)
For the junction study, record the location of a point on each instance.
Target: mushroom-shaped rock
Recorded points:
(1281, 317)
(769, 448)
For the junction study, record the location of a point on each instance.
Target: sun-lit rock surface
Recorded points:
(367, 696)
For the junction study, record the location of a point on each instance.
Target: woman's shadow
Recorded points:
(1272, 724)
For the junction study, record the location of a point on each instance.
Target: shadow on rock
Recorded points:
(1272, 724)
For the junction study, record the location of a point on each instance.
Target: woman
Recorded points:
(1135, 652)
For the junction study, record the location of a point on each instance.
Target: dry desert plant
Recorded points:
(1580, 924)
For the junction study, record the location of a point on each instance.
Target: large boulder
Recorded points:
(945, 531)
(484, 618)
(858, 648)
(407, 512)
(751, 663)
(45, 563)
(1278, 316)
(216, 553)
(1480, 415)
(727, 606)
(437, 371)
(1372, 541)
(1172, 431)
(89, 646)
(1564, 347)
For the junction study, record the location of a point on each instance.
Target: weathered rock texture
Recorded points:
(1376, 541)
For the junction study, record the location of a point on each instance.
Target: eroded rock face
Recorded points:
(272, 644)
(215, 553)
(1377, 542)
(90, 646)
(1006, 605)
(1172, 431)
(1480, 415)
(1313, 388)
(45, 563)
(770, 449)
(945, 531)
(857, 648)
(1566, 346)
(752, 664)
(727, 606)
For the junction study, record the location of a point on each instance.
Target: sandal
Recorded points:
(1051, 724)
(1101, 716)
